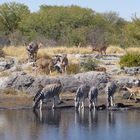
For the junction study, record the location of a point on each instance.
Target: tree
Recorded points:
(11, 14)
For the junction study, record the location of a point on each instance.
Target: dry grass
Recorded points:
(133, 50)
(115, 50)
(21, 53)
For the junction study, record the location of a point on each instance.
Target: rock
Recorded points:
(129, 81)
(30, 84)
(27, 83)
(132, 70)
(3, 82)
(6, 64)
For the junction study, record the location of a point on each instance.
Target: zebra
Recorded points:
(110, 90)
(51, 91)
(32, 50)
(81, 94)
(93, 97)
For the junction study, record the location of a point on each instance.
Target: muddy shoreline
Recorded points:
(11, 102)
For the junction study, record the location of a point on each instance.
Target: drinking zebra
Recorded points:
(51, 91)
(84, 92)
(110, 90)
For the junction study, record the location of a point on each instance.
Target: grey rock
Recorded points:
(27, 83)
(132, 70)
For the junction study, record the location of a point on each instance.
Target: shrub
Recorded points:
(130, 60)
(89, 64)
(73, 68)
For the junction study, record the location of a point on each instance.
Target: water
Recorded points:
(67, 124)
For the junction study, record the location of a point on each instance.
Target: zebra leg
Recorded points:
(108, 101)
(77, 102)
(40, 105)
(82, 106)
(54, 103)
(95, 103)
(111, 101)
(90, 104)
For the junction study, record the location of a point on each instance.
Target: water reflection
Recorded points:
(68, 124)
(111, 118)
(51, 117)
(86, 117)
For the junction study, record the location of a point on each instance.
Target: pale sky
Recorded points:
(125, 8)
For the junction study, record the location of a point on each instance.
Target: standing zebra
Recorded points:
(51, 91)
(81, 94)
(110, 90)
(92, 96)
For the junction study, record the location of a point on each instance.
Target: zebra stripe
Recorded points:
(48, 92)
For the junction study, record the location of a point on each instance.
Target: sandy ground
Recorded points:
(25, 102)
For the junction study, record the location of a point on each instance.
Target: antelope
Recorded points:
(133, 91)
(110, 90)
(51, 91)
(101, 49)
(32, 50)
(64, 63)
(49, 63)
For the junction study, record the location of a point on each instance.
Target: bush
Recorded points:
(130, 60)
(89, 64)
(73, 68)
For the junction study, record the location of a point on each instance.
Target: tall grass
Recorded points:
(21, 53)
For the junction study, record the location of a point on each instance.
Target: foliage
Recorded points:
(67, 26)
(130, 60)
(89, 64)
(11, 15)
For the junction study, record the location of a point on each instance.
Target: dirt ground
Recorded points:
(25, 101)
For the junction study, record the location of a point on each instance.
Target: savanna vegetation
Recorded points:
(66, 26)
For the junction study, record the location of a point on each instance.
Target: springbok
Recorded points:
(32, 50)
(51, 91)
(101, 49)
(110, 90)
(133, 91)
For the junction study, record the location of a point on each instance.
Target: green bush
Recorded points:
(130, 60)
(89, 64)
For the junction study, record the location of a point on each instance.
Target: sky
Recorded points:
(125, 8)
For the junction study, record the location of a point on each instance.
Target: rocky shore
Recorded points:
(21, 82)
